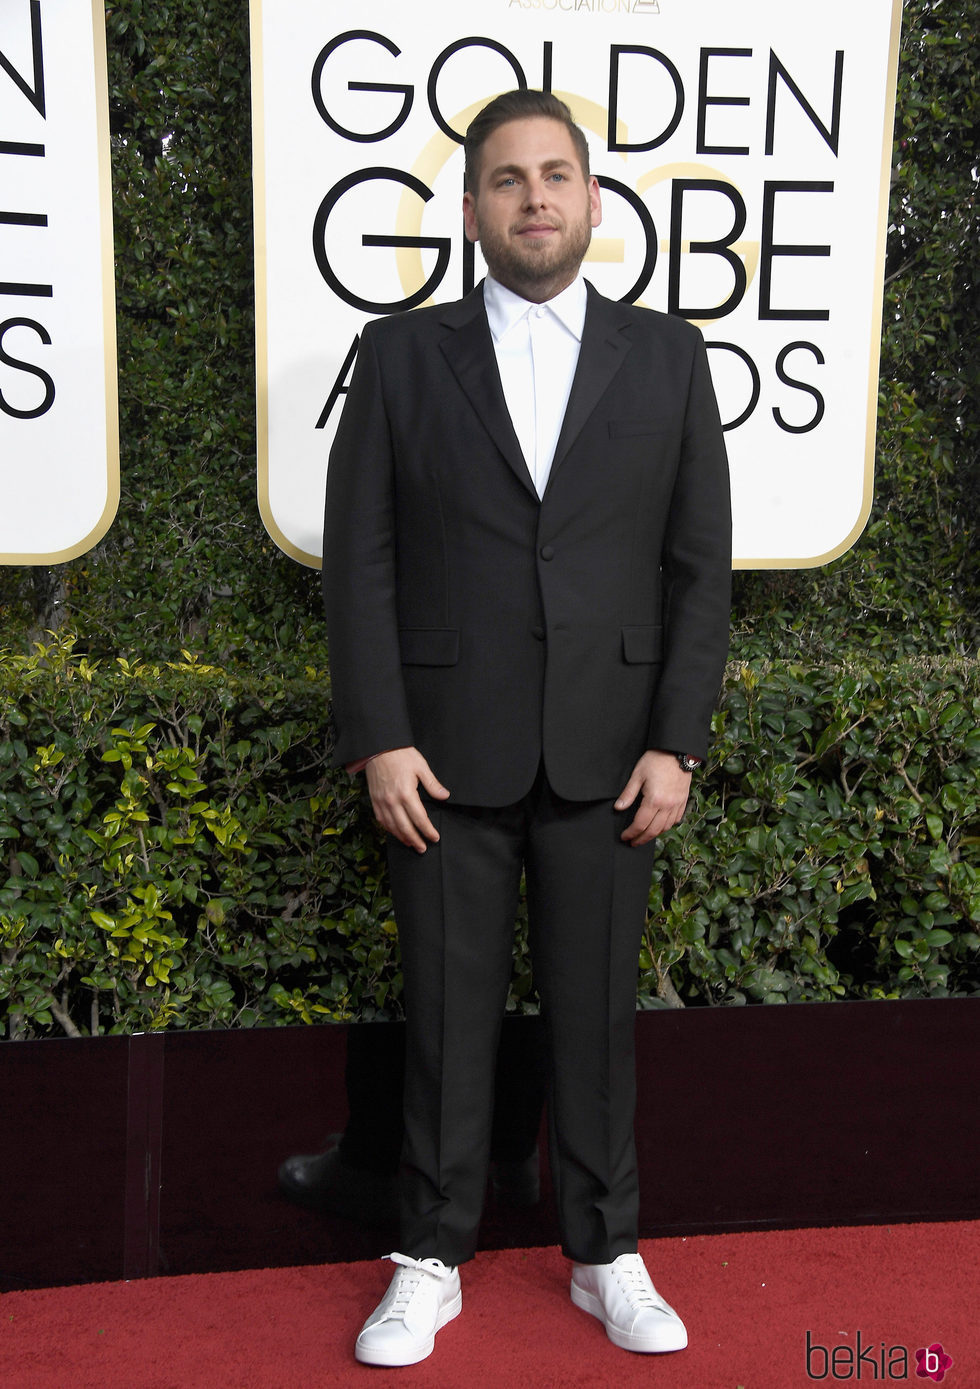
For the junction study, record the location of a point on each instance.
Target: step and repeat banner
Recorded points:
(744, 171)
(743, 159)
(59, 444)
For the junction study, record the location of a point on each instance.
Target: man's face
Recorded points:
(534, 209)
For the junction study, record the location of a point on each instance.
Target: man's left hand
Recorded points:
(663, 788)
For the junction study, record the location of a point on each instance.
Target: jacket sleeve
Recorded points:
(369, 706)
(696, 570)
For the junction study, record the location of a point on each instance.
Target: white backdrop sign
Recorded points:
(743, 156)
(59, 438)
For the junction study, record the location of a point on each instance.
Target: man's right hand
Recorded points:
(393, 779)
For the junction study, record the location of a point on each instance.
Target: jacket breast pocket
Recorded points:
(429, 646)
(643, 645)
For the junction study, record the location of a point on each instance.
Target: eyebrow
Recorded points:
(548, 166)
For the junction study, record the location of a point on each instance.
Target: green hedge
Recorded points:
(832, 850)
(179, 854)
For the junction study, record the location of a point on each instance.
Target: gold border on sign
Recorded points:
(261, 266)
(877, 290)
(107, 269)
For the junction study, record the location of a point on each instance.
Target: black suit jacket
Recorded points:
(489, 628)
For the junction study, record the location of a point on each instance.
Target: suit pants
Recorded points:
(456, 905)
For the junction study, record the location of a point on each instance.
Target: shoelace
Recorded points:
(639, 1291)
(411, 1277)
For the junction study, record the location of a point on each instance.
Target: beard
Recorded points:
(529, 265)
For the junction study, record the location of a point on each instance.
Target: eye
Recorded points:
(557, 177)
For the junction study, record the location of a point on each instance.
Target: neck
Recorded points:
(536, 291)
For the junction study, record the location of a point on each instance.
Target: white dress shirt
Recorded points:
(537, 347)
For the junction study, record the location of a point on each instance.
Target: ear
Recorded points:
(595, 202)
(470, 224)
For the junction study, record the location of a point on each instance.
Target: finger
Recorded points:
(629, 793)
(402, 827)
(413, 826)
(424, 825)
(390, 813)
(654, 827)
(650, 821)
(636, 831)
(432, 784)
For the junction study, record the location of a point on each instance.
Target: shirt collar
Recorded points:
(505, 308)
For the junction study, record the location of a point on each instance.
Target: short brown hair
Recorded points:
(518, 105)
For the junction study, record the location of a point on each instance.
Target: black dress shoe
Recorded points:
(325, 1182)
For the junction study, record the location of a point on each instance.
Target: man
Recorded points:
(526, 572)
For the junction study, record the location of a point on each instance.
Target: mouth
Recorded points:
(536, 231)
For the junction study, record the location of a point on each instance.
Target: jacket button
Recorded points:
(537, 633)
(547, 552)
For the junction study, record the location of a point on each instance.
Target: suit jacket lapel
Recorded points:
(469, 352)
(604, 350)
(468, 349)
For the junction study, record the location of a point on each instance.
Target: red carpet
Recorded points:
(748, 1301)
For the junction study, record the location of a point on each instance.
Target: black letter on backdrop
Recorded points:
(546, 66)
(35, 94)
(768, 248)
(23, 219)
(788, 380)
(721, 247)
(441, 62)
(20, 147)
(753, 372)
(612, 144)
(776, 69)
(18, 365)
(437, 244)
(405, 92)
(339, 386)
(649, 235)
(704, 101)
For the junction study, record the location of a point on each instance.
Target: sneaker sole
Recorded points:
(674, 1337)
(420, 1351)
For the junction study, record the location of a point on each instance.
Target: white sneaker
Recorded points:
(622, 1296)
(422, 1297)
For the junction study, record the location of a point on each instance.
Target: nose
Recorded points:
(535, 193)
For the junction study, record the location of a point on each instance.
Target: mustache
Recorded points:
(536, 222)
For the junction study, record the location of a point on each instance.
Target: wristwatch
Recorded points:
(686, 762)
